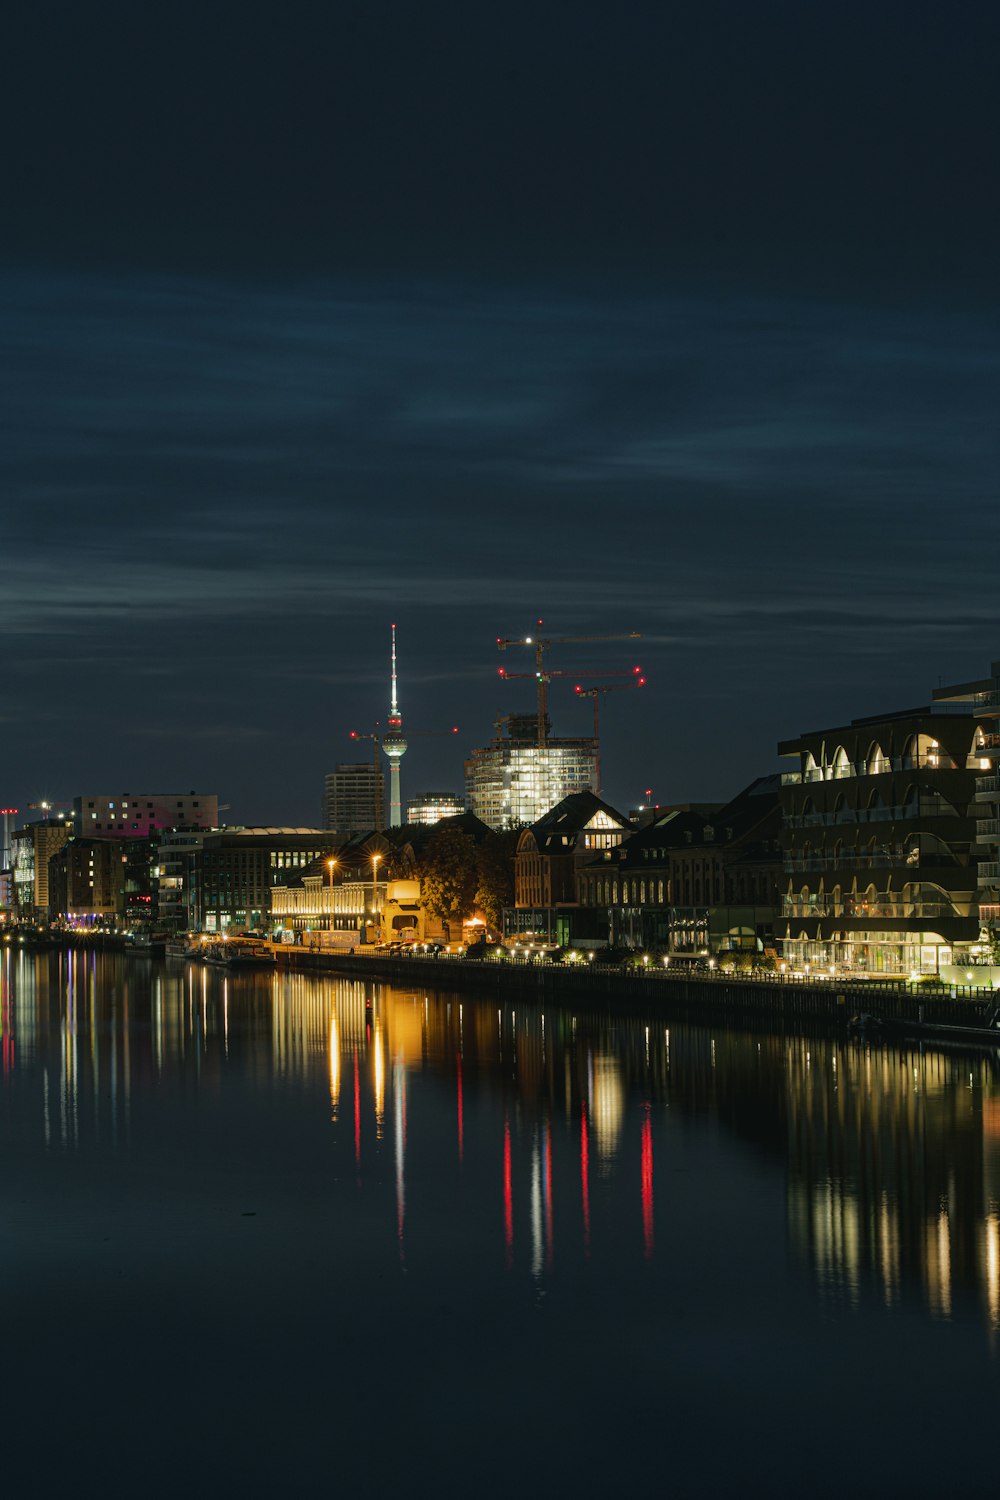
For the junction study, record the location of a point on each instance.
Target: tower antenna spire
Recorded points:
(394, 747)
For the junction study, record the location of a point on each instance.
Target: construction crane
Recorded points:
(541, 644)
(597, 693)
(376, 736)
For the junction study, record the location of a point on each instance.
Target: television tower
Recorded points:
(394, 746)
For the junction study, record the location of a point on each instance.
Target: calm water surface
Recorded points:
(266, 1233)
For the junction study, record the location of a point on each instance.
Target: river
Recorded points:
(272, 1232)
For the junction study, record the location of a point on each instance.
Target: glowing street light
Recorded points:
(375, 860)
(330, 864)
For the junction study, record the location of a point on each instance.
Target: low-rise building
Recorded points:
(431, 807)
(577, 830)
(234, 871)
(692, 882)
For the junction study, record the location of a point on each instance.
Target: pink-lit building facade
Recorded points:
(140, 814)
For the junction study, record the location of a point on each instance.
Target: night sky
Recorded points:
(679, 319)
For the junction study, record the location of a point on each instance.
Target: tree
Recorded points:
(448, 875)
(495, 876)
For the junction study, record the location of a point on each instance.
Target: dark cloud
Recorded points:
(679, 319)
(222, 492)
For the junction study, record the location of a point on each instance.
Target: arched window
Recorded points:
(840, 765)
(876, 760)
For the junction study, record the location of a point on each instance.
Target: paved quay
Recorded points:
(970, 1013)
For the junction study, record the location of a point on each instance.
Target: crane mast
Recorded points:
(541, 644)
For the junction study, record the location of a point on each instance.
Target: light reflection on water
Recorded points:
(671, 1177)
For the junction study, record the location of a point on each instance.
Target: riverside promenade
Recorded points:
(970, 1013)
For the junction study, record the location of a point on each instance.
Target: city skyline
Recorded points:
(686, 325)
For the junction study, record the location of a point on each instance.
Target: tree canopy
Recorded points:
(495, 876)
(448, 875)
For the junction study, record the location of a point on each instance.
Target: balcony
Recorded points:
(988, 872)
(848, 860)
(987, 786)
(855, 908)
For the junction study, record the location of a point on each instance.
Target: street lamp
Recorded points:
(330, 866)
(375, 860)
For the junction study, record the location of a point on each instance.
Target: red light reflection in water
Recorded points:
(585, 1179)
(548, 1197)
(508, 1201)
(461, 1113)
(357, 1115)
(647, 1182)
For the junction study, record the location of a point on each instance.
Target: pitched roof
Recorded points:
(563, 823)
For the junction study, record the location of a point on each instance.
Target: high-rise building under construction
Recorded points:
(515, 780)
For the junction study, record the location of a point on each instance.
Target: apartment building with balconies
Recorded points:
(982, 699)
(880, 837)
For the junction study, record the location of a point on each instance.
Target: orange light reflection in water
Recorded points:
(357, 1115)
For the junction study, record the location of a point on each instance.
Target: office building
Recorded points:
(515, 780)
(431, 807)
(232, 873)
(142, 814)
(172, 879)
(354, 800)
(87, 881)
(33, 846)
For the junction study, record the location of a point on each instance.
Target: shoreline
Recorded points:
(688, 996)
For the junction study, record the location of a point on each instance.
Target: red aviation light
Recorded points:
(6, 810)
